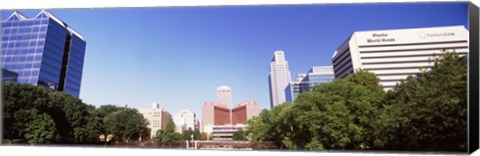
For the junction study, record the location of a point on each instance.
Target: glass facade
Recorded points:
(295, 88)
(315, 77)
(9, 76)
(43, 51)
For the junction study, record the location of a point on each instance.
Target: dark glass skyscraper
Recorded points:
(43, 51)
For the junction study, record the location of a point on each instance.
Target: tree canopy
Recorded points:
(429, 111)
(34, 115)
(58, 117)
(168, 134)
(425, 112)
(125, 124)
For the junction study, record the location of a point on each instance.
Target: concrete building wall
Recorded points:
(184, 120)
(166, 117)
(393, 55)
(221, 115)
(155, 119)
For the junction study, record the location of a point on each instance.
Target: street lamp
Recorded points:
(191, 136)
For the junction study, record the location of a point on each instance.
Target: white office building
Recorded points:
(184, 120)
(279, 78)
(395, 54)
(154, 116)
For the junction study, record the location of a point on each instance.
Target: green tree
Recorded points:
(332, 127)
(188, 133)
(336, 115)
(168, 135)
(428, 111)
(41, 129)
(125, 124)
(71, 111)
(100, 114)
(18, 97)
(105, 110)
(366, 79)
(69, 114)
(274, 125)
(344, 111)
(239, 135)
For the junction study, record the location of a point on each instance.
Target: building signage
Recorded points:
(380, 37)
(424, 35)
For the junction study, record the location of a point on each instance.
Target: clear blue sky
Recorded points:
(178, 56)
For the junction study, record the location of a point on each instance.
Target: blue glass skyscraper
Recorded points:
(43, 51)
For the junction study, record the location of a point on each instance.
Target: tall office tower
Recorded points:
(43, 51)
(224, 95)
(279, 78)
(305, 82)
(393, 55)
(184, 120)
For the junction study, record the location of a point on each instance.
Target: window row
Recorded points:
(23, 45)
(75, 64)
(21, 66)
(75, 76)
(20, 37)
(20, 59)
(24, 22)
(72, 82)
(49, 76)
(22, 51)
(16, 30)
(31, 80)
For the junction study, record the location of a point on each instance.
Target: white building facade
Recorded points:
(279, 78)
(184, 120)
(393, 55)
(154, 117)
(225, 132)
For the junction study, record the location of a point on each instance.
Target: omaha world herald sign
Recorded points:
(388, 37)
(380, 37)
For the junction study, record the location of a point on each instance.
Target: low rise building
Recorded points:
(157, 118)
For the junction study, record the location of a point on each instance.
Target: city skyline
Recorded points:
(184, 66)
